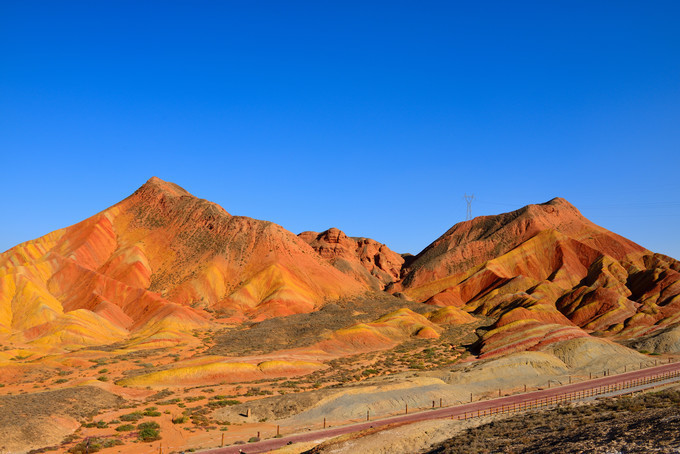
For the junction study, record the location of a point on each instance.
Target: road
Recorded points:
(576, 390)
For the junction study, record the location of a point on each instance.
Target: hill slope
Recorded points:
(153, 265)
(547, 274)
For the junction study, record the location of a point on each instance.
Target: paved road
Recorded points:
(448, 412)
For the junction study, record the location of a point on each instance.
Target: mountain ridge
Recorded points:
(163, 257)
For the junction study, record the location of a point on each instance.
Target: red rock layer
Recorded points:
(547, 274)
(366, 260)
(157, 261)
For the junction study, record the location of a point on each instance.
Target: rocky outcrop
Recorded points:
(364, 259)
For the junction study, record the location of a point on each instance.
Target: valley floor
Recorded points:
(641, 424)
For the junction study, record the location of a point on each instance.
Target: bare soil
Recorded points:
(28, 420)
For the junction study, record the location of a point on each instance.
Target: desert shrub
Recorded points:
(103, 378)
(219, 396)
(180, 420)
(151, 411)
(97, 424)
(149, 431)
(135, 416)
(125, 428)
(94, 445)
(160, 394)
(148, 425)
(86, 446)
(255, 391)
(223, 403)
(60, 381)
(253, 440)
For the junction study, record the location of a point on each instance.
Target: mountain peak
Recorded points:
(561, 204)
(163, 200)
(472, 243)
(557, 201)
(156, 184)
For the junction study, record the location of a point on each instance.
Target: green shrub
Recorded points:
(149, 431)
(111, 442)
(86, 446)
(125, 428)
(223, 403)
(135, 416)
(97, 424)
(148, 425)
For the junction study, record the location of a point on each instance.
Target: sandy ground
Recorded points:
(263, 408)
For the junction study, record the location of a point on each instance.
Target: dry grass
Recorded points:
(27, 419)
(626, 424)
(302, 330)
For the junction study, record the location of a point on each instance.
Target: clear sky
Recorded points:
(373, 117)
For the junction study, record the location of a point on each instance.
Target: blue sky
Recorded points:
(373, 117)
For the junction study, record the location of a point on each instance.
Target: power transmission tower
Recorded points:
(468, 199)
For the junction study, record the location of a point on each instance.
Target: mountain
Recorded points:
(165, 297)
(546, 273)
(368, 261)
(159, 263)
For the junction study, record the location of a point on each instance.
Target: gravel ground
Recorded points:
(647, 423)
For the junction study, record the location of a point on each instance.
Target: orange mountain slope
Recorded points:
(156, 265)
(161, 263)
(547, 274)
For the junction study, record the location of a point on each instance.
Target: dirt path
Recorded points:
(609, 385)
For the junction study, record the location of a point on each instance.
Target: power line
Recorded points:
(468, 199)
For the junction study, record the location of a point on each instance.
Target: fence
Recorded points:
(493, 409)
(551, 401)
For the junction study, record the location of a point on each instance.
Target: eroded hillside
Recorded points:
(192, 316)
